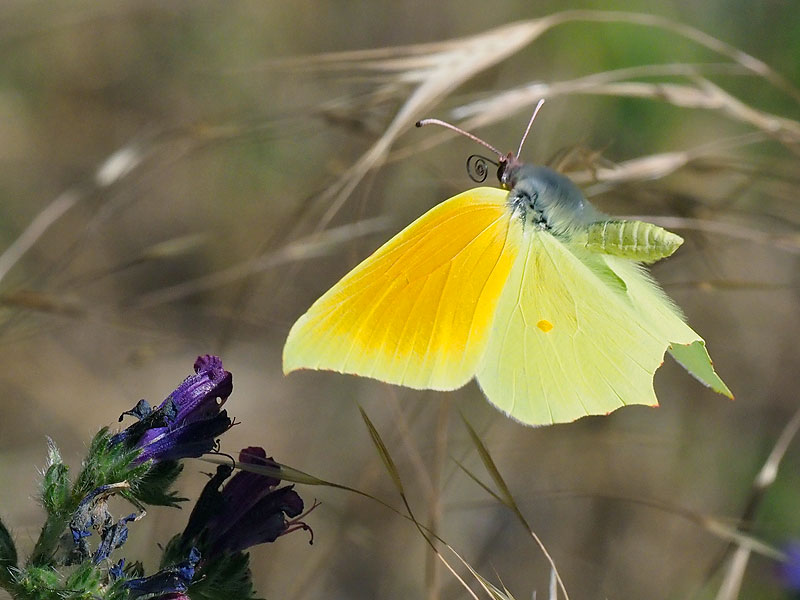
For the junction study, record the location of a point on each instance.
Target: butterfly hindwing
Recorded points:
(418, 311)
(567, 340)
(650, 301)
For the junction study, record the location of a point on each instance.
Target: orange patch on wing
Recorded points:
(418, 312)
(544, 325)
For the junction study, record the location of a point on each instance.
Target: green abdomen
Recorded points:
(635, 240)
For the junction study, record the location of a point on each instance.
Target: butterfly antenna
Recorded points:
(474, 138)
(524, 137)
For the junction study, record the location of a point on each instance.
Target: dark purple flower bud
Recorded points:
(209, 503)
(789, 569)
(172, 580)
(191, 439)
(187, 423)
(246, 511)
(263, 523)
(245, 489)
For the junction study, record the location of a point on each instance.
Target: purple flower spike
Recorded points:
(187, 423)
(789, 570)
(191, 439)
(196, 398)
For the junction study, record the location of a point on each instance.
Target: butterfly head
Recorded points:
(539, 195)
(545, 198)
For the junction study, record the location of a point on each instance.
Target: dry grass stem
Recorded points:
(301, 249)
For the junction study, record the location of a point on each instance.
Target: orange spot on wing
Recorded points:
(544, 325)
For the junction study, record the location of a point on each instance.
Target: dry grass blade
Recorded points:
(766, 476)
(436, 69)
(383, 452)
(489, 110)
(505, 494)
(49, 215)
(160, 251)
(729, 590)
(657, 166)
(433, 575)
(382, 58)
(118, 165)
(741, 539)
(354, 58)
(43, 302)
(508, 499)
(286, 473)
(302, 249)
(452, 64)
(427, 535)
(282, 472)
(477, 480)
(492, 590)
(706, 96)
(747, 61)
(717, 285)
(703, 95)
(289, 474)
(731, 584)
(173, 247)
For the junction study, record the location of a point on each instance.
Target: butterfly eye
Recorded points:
(501, 171)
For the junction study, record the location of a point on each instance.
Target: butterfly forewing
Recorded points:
(418, 311)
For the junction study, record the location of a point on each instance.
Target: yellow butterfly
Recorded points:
(528, 288)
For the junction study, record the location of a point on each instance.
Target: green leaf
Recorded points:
(55, 489)
(153, 487)
(108, 463)
(174, 552)
(226, 577)
(105, 464)
(53, 455)
(38, 583)
(87, 578)
(135, 569)
(8, 555)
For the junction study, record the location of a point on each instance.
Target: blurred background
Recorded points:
(186, 178)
